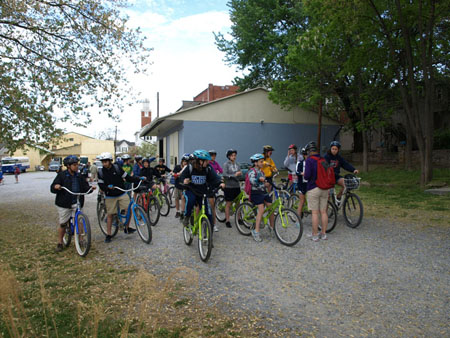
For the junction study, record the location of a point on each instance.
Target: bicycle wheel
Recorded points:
(171, 196)
(142, 200)
(353, 210)
(187, 235)
(288, 227)
(67, 237)
(205, 240)
(283, 194)
(332, 217)
(142, 224)
(102, 220)
(219, 205)
(293, 201)
(153, 211)
(83, 235)
(247, 214)
(164, 204)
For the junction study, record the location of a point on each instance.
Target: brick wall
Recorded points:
(216, 92)
(146, 118)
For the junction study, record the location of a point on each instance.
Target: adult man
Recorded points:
(109, 176)
(317, 198)
(94, 172)
(65, 202)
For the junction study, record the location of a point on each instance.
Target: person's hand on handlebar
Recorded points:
(143, 178)
(57, 186)
(222, 186)
(110, 186)
(186, 181)
(356, 172)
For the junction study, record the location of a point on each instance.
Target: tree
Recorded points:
(59, 59)
(416, 35)
(145, 150)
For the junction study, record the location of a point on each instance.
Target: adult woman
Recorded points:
(269, 167)
(231, 173)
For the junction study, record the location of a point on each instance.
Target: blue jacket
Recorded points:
(337, 162)
(136, 170)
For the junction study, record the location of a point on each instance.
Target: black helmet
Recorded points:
(186, 157)
(267, 148)
(231, 151)
(212, 152)
(138, 157)
(311, 146)
(304, 152)
(335, 144)
(71, 159)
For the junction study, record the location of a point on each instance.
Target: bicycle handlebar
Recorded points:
(78, 193)
(127, 190)
(186, 186)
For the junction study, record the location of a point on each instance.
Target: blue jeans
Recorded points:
(193, 200)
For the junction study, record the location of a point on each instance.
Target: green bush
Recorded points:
(441, 139)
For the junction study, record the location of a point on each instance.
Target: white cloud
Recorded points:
(185, 60)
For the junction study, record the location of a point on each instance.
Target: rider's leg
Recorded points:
(259, 216)
(315, 222)
(213, 210)
(301, 203)
(340, 182)
(227, 210)
(109, 219)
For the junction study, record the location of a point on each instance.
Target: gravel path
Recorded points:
(382, 279)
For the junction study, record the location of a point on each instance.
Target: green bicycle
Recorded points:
(220, 204)
(163, 200)
(200, 226)
(288, 225)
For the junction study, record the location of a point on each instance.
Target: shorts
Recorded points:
(111, 203)
(178, 194)
(258, 198)
(64, 214)
(293, 178)
(231, 193)
(301, 186)
(317, 199)
(337, 177)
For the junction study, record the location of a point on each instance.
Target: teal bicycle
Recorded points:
(79, 227)
(120, 219)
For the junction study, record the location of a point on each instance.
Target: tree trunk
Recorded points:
(365, 151)
(409, 146)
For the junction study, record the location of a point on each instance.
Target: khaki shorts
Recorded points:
(178, 194)
(65, 213)
(111, 203)
(317, 199)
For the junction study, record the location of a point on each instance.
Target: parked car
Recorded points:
(244, 169)
(54, 166)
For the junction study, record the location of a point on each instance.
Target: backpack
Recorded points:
(248, 185)
(325, 173)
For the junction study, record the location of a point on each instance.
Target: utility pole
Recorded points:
(115, 141)
(157, 104)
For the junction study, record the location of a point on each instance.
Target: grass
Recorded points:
(47, 294)
(395, 193)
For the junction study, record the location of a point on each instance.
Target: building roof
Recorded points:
(131, 144)
(254, 102)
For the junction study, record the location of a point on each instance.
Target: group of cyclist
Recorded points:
(199, 174)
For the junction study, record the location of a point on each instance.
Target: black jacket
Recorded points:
(63, 198)
(115, 176)
(203, 180)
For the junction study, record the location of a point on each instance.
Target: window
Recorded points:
(71, 139)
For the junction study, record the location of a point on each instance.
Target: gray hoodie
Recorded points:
(230, 169)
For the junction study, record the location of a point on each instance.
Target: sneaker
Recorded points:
(241, 222)
(108, 239)
(216, 228)
(314, 238)
(59, 247)
(228, 224)
(129, 230)
(256, 236)
(323, 236)
(177, 215)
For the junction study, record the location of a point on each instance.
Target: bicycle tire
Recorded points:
(205, 243)
(246, 213)
(351, 203)
(219, 205)
(187, 235)
(292, 231)
(153, 211)
(332, 217)
(142, 224)
(141, 199)
(284, 197)
(171, 196)
(83, 235)
(164, 205)
(293, 201)
(67, 238)
(102, 220)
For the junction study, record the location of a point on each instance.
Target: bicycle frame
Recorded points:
(198, 216)
(74, 224)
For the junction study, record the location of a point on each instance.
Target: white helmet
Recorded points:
(105, 156)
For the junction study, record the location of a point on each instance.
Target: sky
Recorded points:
(184, 60)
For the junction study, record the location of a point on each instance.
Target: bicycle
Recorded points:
(294, 200)
(288, 225)
(150, 204)
(352, 207)
(171, 191)
(163, 200)
(82, 233)
(277, 190)
(220, 203)
(120, 220)
(199, 225)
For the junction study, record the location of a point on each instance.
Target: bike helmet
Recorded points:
(71, 159)
(268, 148)
(304, 152)
(293, 146)
(162, 160)
(146, 160)
(119, 160)
(185, 157)
(231, 151)
(256, 157)
(335, 144)
(191, 157)
(212, 152)
(311, 146)
(201, 154)
(138, 157)
(126, 157)
(105, 156)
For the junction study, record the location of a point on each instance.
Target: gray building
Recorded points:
(245, 121)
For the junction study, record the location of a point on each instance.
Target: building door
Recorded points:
(173, 152)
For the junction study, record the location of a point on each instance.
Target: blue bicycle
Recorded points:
(121, 219)
(79, 227)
